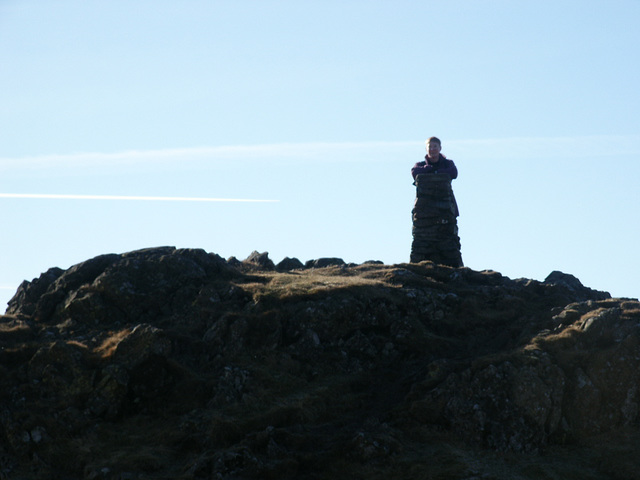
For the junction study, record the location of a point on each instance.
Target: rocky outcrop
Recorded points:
(168, 363)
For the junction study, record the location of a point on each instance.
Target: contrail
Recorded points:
(129, 198)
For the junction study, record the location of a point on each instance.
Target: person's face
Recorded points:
(434, 150)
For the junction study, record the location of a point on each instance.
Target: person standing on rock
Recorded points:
(434, 161)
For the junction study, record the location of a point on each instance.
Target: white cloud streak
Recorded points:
(229, 152)
(513, 148)
(46, 196)
(544, 147)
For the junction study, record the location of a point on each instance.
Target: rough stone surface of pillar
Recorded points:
(435, 227)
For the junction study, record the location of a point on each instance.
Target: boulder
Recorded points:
(260, 260)
(287, 264)
(325, 262)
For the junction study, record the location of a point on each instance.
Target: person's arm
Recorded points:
(448, 167)
(421, 168)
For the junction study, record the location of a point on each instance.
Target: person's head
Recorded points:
(433, 146)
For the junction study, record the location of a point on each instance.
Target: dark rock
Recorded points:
(29, 293)
(166, 363)
(435, 229)
(287, 264)
(574, 285)
(558, 278)
(114, 287)
(234, 262)
(325, 262)
(260, 260)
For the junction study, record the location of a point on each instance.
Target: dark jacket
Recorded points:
(443, 165)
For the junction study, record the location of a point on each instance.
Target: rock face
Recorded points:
(435, 228)
(167, 363)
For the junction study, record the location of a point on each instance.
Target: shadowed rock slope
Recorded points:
(166, 363)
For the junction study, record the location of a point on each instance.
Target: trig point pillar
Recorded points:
(435, 227)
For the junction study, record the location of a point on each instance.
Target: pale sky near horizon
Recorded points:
(318, 109)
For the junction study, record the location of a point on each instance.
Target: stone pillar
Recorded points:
(435, 227)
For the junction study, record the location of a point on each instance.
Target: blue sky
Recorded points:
(321, 108)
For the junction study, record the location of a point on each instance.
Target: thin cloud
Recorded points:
(516, 147)
(276, 150)
(543, 147)
(47, 196)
